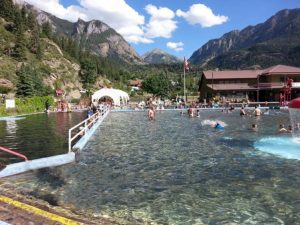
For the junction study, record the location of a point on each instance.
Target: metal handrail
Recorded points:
(13, 153)
(86, 124)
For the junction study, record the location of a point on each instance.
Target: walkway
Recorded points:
(18, 209)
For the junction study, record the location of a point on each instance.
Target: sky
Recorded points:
(178, 27)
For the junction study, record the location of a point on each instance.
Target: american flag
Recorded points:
(186, 64)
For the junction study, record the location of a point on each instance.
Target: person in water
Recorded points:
(257, 111)
(191, 112)
(151, 114)
(198, 113)
(219, 126)
(254, 127)
(282, 128)
(242, 111)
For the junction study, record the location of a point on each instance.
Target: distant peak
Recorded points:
(157, 50)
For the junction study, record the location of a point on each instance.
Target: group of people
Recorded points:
(257, 112)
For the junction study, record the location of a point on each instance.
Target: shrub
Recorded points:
(28, 105)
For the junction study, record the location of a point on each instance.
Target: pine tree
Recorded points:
(39, 51)
(20, 47)
(88, 73)
(7, 9)
(31, 21)
(25, 84)
(19, 22)
(47, 29)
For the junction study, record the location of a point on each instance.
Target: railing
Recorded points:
(269, 85)
(13, 153)
(83, 127)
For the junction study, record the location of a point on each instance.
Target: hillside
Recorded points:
(273, 42)
(55, 71)
(157, 56)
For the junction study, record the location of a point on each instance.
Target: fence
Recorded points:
(83, 128)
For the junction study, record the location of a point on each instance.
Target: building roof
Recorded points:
(231, 74)
(281, 69)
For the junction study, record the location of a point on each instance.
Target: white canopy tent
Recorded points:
(118, 97)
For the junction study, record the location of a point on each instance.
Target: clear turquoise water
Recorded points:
(177, 170)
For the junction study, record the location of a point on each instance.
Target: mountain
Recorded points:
(273, 42)
(157, 56)
(94, 35)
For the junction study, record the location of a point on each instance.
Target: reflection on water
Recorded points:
(177, 171)
(11, 127)
(36, 136)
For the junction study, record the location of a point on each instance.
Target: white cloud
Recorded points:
(116, 13)
(177, 46)
(71, 13)
(203, 15)
(161, 22)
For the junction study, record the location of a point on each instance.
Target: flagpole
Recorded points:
(184, 91)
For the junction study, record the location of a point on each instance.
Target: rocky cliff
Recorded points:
(276, 34)
(94, 35)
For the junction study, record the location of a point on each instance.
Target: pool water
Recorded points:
(179, 170)
(36, 136)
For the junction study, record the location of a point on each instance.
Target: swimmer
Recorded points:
(282, 128)
(218, 126)
(198, 113)
(290, 129)
(151, 114)
(254, 127)
(242, 112)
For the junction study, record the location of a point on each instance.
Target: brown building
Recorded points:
(255, 85)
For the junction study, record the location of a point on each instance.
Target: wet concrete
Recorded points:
(23, 215)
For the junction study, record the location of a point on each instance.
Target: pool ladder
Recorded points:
(14, 153)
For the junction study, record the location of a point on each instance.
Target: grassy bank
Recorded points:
(27, 105)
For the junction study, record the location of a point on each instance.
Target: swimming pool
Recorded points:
(177, 170)
(37, 135)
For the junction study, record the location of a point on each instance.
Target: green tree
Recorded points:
(20, 47)
(7, 9)
(31, 21)
(88, 73)
(25, 84)
(158, 85)
(30, 82)
(47, 29)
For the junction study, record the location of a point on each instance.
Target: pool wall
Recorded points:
(51, 161)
